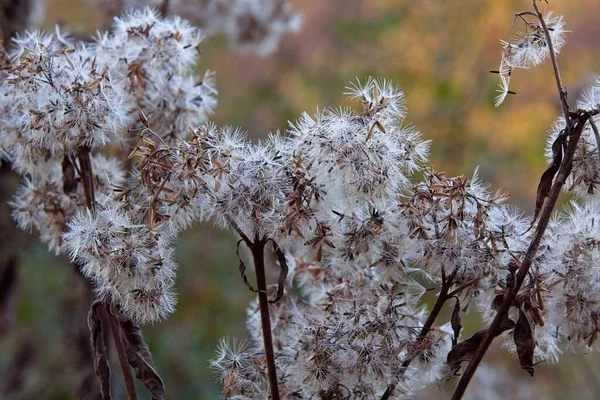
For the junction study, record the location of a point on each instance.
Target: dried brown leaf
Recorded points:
(87, 176)
(69, 181)
(466, 349)
(283, 272)
(455, 321)
(381, 128)
(545, 184)
(523, 336)
(140, 359)
(242, 268)
(370, 133)
(497, 302)
(101, 364)
(143, 118)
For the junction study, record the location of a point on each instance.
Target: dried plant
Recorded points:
(333, 198)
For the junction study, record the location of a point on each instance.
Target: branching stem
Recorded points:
(574, 127)
(561, 178)
(443, 296)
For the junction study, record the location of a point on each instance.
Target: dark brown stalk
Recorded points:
(563, 173)
(8, 286)
(258, 255)
(87, 176)
(574, 128)
(164, 8)
(562, 93)
(443, 296)
(122, 352)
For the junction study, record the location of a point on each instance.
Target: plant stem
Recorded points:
(563, 173)
(164, 8)
(258, 254)
(121, 351)
(562, 93)
(574, 128)
(435, 311)
(87, 176)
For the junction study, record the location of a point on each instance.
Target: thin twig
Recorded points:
(461, 288)
(435, 311)
(522, 16)
(545, 217)
(561, 89)
(240, 232)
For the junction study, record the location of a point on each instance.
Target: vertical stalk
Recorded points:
(258, 255)
(164, 8)
(87, 176)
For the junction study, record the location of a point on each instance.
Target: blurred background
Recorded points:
(440, 53)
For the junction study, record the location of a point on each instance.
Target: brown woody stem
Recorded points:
(577, 127)
(164, 8)
(574, 128)
(443, 296)
(87, 176)
(562, 93)
(258, 254)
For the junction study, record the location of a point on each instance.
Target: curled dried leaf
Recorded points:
(455, 321)
(69, 181)
(545, 184)
(140, 359)
(523, 336)
(497, 302)
(464, 350)
(101, 364)
(283, 272)
(242, 268)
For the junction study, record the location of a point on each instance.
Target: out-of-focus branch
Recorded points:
(8, 284)
(13, 380)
